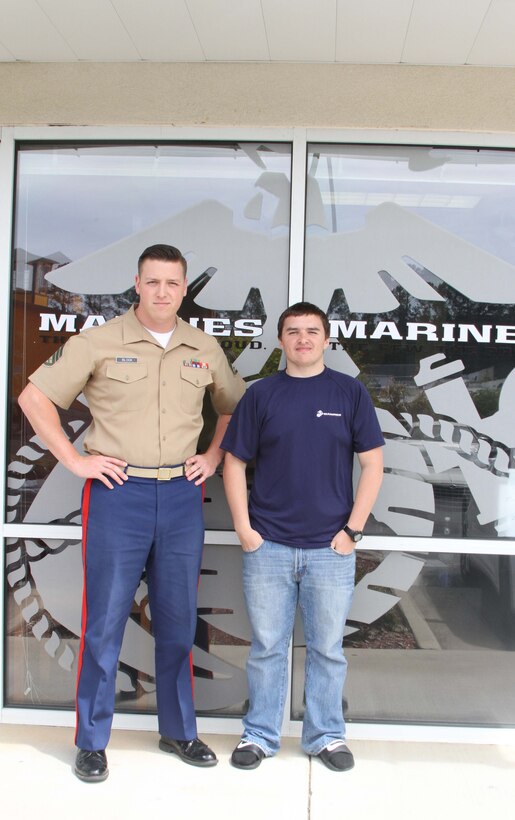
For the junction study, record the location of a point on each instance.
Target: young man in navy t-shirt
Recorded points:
(299, 530)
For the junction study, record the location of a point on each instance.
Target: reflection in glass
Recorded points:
(441, 651)
(83, 215)
(415, 245)
(44, 597)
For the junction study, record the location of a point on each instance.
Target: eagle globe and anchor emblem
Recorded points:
(420, 447)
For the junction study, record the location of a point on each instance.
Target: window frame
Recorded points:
(299, 138)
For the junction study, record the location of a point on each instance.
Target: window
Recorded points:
(83, 215)
(411, 252)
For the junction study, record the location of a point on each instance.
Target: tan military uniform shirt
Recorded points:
(146, 401)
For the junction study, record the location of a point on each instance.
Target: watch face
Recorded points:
(356, 535)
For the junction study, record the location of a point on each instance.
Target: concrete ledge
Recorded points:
(460, 98)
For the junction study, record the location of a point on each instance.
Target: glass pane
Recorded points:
(44, 583)
(83, 214)
(429, 639)
(410, 249)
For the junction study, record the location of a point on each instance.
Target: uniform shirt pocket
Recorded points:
(194, 382)
(127, 388)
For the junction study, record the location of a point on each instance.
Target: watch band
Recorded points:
(356, 535)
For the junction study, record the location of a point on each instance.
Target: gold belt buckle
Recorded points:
(164, 473)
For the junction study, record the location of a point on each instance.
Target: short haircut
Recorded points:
(165, 253)
(303, 309)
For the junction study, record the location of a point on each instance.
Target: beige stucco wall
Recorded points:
(226, 94)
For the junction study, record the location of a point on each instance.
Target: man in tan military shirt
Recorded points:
(144, 375)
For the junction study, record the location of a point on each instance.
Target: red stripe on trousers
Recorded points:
(85, 513)
(203, 485)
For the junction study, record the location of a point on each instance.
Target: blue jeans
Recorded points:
(275, 578)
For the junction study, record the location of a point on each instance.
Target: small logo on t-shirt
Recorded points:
(322, 413)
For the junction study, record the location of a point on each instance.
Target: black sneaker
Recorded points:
(337, 756)
(247, 755)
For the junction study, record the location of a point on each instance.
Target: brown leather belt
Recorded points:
(161, 473)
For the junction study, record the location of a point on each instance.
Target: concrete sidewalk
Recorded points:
(390, 780)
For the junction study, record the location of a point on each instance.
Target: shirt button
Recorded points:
(164, 384)
(163, 410)
(164, 438)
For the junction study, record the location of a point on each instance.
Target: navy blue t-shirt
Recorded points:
(303, 433)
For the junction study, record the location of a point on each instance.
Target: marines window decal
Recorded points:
(411, 250)
(418, 253)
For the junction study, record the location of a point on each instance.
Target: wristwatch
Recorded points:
(356, 535)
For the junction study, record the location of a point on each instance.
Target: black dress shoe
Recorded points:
(247, 755)
(91, 766)
(337, 756)
(193, 751)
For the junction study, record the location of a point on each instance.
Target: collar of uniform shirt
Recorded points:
(133, 331)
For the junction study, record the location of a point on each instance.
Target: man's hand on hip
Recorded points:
(200, 467)
(104, 468)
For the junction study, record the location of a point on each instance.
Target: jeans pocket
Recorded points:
(251, 552)
(343, 554)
